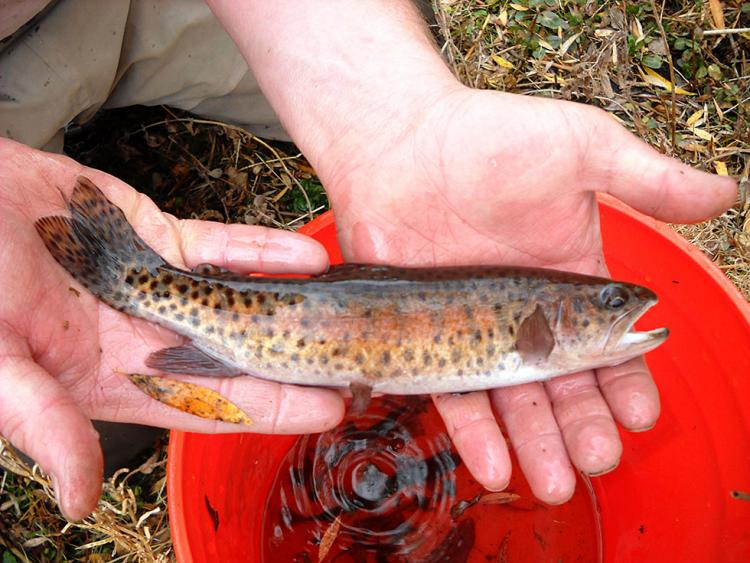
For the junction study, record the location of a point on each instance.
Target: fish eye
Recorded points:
(613, 297)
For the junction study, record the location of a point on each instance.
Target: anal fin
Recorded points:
(190, 360)
(361, 395)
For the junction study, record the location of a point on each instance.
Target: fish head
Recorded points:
(595, 325)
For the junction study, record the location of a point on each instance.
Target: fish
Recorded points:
(387, 329)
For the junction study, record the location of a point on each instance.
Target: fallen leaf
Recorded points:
(702, 134)
(328, 538)
(694, 118)
(717, 13)
(190, 398)
(568, 42)
(499, 61)
(498, 498)
(650, 76)
(721, 168)
(519, 7)
(503, 18)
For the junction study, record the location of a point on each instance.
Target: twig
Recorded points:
(727, 31)
(673, 109)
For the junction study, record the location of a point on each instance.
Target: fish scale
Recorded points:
(396, 330)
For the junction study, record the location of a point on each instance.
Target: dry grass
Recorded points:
(594, 52)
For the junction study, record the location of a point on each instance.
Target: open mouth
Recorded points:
(622, 337)
(632, 338)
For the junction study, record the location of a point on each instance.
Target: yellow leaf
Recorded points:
(190, 398)
(717, 13)
(650, 76)
(499, 61)
(702, 134)
(503, 17)
(721, 168)
(694, 147)
(555, 79)
(745, 35)
(694, 118)
(519, 7)
(328, 538)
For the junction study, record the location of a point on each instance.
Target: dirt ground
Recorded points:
(622, 56)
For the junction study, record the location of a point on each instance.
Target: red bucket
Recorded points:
(671, 497)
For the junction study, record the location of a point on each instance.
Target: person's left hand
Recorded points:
(489, 178)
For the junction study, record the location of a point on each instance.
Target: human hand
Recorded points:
(489, 178)
(61, 349)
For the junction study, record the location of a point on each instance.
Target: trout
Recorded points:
(381, 328)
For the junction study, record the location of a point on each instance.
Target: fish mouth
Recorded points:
(623, 341)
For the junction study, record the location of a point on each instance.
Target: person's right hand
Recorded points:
(62, 351)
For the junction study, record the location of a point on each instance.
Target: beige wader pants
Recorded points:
(78, 56)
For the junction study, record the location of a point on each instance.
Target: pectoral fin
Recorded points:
(535, 340)
(189, 360)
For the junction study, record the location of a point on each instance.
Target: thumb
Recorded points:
(622, 165)
(38, 416)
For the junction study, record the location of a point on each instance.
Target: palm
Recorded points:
(490, 178)
(62, 353)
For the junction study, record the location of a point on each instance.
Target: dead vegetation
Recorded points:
(665, 70)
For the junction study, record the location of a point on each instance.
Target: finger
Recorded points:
(273, 408)
(38, 416)
(246, 248)
(532, 428)
(474, 431)
(585, 421)
(631, 394)
(627, 168)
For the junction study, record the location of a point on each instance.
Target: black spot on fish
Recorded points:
(456, 355)
(154, 284)
(408, 354)
(210, 329)
(442, 362)
(336, 352)
(194, 296)
(324, 359)
(182, 288)
(261, 298)
(168, 279)
(294, 358)
(143, 279)
(270, 333)
(585, 323)
(194, 312)
(162, 309)
(437, 338)
(338, 366)
(301, 343)
(359, 358)
(426, 358)
(386, 357)
(179, 317)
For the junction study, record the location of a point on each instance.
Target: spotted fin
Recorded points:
(96, 245)
(189, 360)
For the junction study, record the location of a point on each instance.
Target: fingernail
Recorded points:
(599, 473)
(642, 428)
(56, 488)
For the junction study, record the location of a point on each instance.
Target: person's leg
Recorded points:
(60, 68)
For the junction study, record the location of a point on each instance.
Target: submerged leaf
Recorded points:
(190, 398)
(328, 538)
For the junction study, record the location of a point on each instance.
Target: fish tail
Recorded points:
(97, 245)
